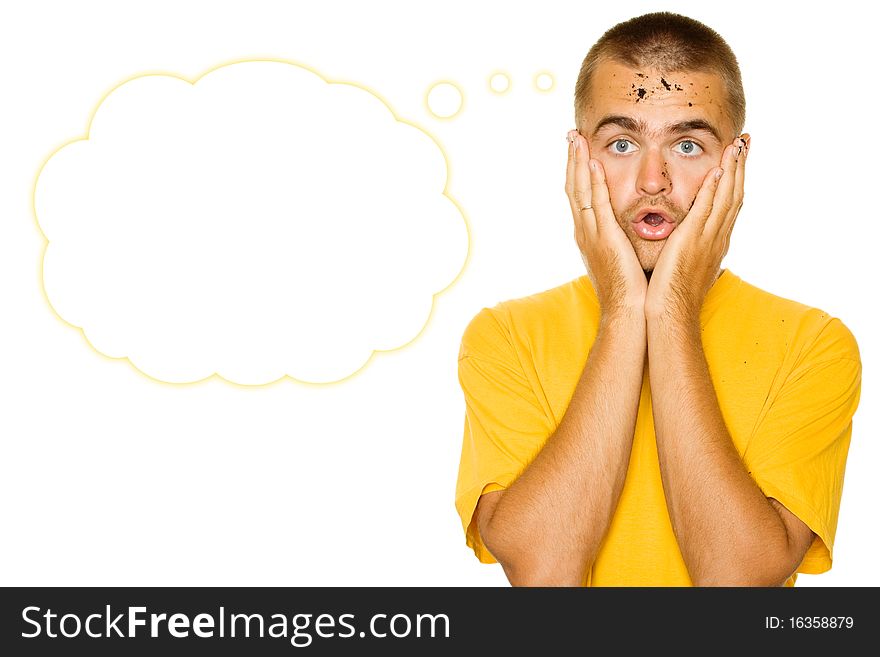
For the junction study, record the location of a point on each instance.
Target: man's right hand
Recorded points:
(611, 261)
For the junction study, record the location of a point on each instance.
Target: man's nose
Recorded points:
(654, 175)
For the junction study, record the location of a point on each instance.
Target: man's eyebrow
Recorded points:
(638, 126)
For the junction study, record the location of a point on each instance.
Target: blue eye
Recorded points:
(690, 147)
(616, 142)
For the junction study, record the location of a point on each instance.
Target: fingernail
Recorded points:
(570, 136)
(719, 173)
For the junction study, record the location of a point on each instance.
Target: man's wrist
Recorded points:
(667, 325)
(623, 326)
(624, 314)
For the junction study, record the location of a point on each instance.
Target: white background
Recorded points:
(112, 478)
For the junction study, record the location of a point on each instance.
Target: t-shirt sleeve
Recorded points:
(504, 425)
(798, 451)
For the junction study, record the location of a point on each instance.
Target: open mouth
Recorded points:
(653, 225)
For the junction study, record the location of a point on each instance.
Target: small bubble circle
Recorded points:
(499, 83)
(444, 100)
(544, 81)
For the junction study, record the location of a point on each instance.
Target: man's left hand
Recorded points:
(691, 259)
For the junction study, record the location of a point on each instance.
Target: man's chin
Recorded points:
(649, 255)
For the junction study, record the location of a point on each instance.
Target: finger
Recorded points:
(723, 199)
(701, 208)
(723, 221)
(583, 195)
(738, 189)
(601, 199)
(569, 168)
(569, 189)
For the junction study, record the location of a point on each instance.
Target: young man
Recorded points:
(658, 421)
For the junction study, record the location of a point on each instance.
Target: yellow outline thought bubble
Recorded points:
(256, 223)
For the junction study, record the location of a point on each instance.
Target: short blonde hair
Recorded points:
(667, 42)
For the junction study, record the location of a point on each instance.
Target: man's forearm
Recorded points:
(549, 524)
(726, 528)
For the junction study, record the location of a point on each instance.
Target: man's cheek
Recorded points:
(616, 179)
(686, 185)
(614, 171)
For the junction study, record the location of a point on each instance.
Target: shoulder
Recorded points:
(807, 331)
(518, 320)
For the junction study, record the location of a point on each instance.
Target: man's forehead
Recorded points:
(642, 83)
(648, 101)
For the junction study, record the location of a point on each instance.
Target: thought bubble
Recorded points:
(257, 223)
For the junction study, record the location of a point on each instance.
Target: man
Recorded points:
(658, 421)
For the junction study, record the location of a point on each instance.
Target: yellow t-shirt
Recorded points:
(787, 378)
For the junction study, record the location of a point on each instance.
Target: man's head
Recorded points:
(658, 98)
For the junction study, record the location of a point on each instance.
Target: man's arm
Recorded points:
(546, 528)
(729, 533)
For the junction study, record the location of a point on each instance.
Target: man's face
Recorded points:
(646, 164)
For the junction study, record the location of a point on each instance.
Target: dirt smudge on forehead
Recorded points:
(645, 89)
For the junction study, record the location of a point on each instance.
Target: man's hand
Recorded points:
(691, 259)
(611, 261)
